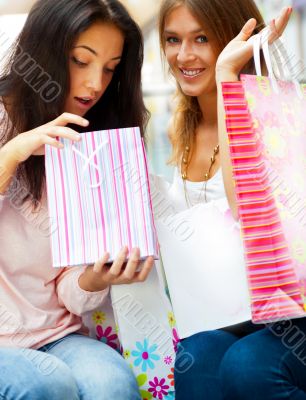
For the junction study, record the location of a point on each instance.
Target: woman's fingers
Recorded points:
(279, 25)
(98, 267)
(67, 118)
(63, 132)
(131, 267)
(276, 27)
(117, 265)
(52, 142)
(247, 30)
(146, 268)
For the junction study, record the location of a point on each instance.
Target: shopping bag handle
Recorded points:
(89, 161)
(281, 60)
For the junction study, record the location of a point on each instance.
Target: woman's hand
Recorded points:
(240, 50)
(33, 142)
(101, 275)
(230, 62)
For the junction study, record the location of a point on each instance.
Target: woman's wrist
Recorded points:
(8, 166)
(12, 152)
(223, 75)
(88, 281)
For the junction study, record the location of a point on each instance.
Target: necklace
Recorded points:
(207, 175)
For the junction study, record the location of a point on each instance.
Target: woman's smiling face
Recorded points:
(92, 62)
(189, 52)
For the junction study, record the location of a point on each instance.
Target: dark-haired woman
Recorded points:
(76, 63)
(206, 42)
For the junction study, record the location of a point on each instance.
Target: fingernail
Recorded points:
(124, 249)
(289, 11)
(135, 251)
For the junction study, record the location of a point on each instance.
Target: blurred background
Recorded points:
(158, 87)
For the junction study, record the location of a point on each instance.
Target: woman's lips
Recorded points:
(191, 73)
(84, 102)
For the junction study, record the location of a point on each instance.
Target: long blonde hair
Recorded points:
(224, 19)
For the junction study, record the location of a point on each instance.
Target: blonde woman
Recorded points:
(206, 42)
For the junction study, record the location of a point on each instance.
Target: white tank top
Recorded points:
(219, 295)
(195, 190)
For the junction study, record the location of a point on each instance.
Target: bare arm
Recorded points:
(230, 62)
(33, 142)
(8, 166)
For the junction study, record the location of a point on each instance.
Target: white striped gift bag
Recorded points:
(99, 197)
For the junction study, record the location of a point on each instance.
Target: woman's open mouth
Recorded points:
(191, 73)
(85, 102)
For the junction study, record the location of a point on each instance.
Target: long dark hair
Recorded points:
(36, 77)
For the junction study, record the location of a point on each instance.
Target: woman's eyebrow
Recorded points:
(174, 33)
(87, 48)
(94, 52)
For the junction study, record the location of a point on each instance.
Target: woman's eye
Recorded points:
(109, 70)
(78, 62)
(172, 40)
(202, 39)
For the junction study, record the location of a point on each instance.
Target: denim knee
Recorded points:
(104, 375)
(205, 350)
(118, 382)
(60, 384)
(201, 380)
(26, 376)
(240, 371)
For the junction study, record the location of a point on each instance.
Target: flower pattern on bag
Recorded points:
(175, 338)
(264, 85)
(168, 360)
(268, 157)
(170, 396)
(126, 354)
(274, 142)
(98, 317)
(298, 248)
(142, 380)
(144, 355)
(171, 319)
(146, 352)
(107, 336)
(171, 377)
(158, 388)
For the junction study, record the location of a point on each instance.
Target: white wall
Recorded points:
(294, 36)
(10, 26)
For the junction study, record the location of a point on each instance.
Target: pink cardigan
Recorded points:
(38, 303)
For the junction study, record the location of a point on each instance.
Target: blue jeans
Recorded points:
(250, 362)
(73, 368)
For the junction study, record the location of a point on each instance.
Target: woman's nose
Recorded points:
(94, 81)
(185, 53)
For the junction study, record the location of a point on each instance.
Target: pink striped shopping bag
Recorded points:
(267, 138)
(99, 197)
